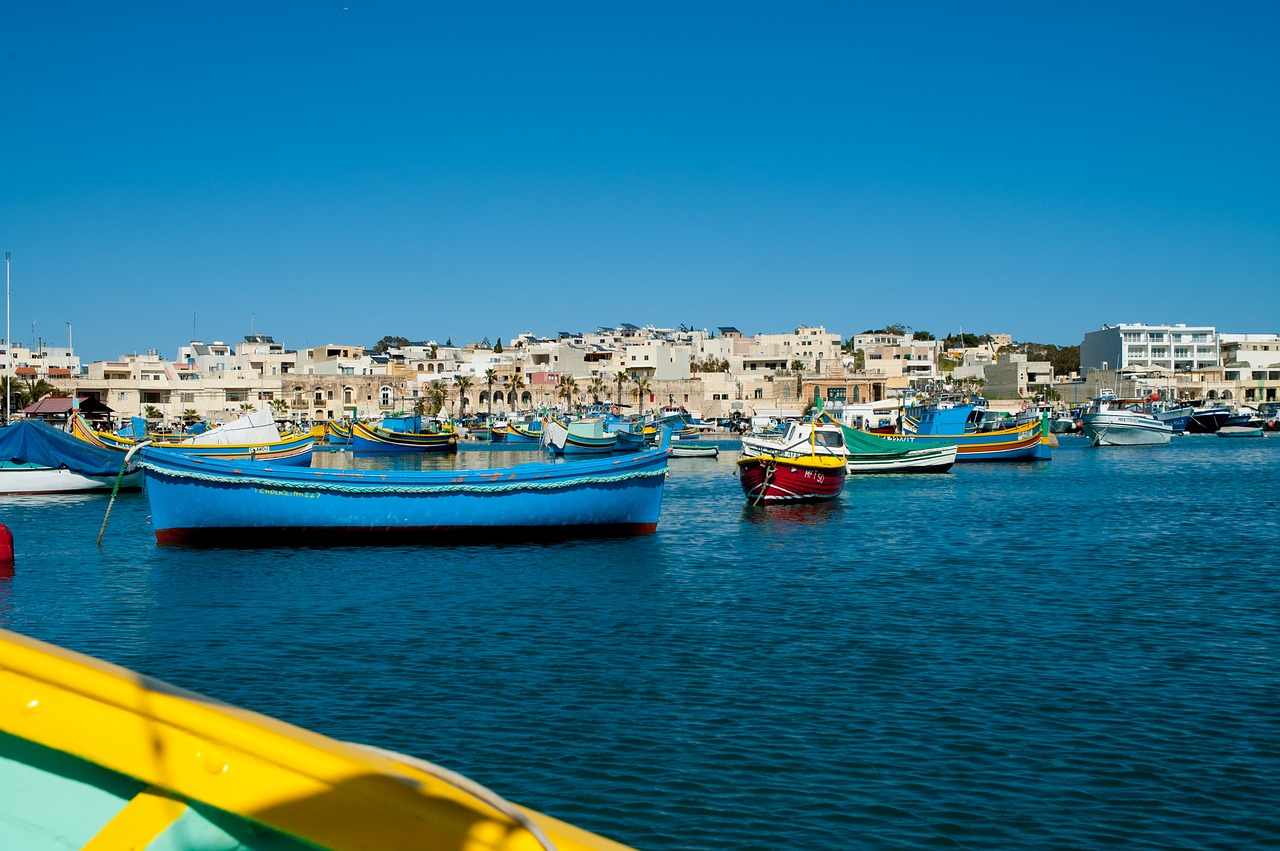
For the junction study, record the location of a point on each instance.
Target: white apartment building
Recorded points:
(812, 346)
(1259, 351)
(1175, 348)
(898, 358)
(41, 361)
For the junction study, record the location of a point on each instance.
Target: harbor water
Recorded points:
(1081, 653)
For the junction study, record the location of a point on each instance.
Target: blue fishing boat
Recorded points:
(337, 434)
(206, 501)
(527, 431)
(35, 457)
(970, 428)
(393, 436)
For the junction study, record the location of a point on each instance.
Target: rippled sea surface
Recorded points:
(1083, 653)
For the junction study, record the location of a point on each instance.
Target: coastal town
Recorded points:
(722, 374)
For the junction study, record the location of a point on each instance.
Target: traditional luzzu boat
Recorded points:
(527, 431)
(863, 453)
(806, 478)
(255, 442)
(586, 436)
(962, 424)
(210, 502)
(337, 434)
(37, 458)
(431, 436)
(95, 756)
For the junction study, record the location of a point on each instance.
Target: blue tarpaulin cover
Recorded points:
(37, 442)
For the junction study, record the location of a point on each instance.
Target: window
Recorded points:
(384, 396)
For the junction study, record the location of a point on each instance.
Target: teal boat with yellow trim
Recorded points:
(99, 758)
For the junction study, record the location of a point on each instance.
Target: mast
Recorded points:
(8, 343)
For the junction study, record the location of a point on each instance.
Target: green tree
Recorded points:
(620, 377)
(389, 342)
(189, 416)
(279, 407)
(432, 402)
(568, 386)
(513, 383)
(32, 390)
(490, 376)
(497, 348)
(641, 390)
(463, 383)
(595, 388)
(151, 412)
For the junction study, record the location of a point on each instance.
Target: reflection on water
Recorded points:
(778, 517)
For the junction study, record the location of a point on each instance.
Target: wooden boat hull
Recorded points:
(367, 438)
(27, 479)
(95, 756)
(936, 459)
(767, 479)
(1240, 431)
(1020, 443)
(688, 449)
(581, 437)
(337, 434)
(296, 450)
(207, 502)
(516, 433)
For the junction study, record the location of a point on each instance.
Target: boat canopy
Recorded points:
(37, 442)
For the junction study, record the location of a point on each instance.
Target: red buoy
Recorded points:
(6, 546)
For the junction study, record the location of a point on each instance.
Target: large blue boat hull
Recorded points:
(205, 502)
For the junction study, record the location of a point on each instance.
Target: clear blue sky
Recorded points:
(336, 171)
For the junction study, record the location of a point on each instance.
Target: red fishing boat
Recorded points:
(807, 478)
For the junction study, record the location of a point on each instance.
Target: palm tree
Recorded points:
(247, 407)
(151, 412)
(280, 407)
(514, 384)
(463, 383)
(641, 390)
(490, 376)
(620, 377)
(32, 390)
(568, 386)
(190, 415)
(595, 388)
(436, 394)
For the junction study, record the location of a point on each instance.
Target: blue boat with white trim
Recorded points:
(210, 502)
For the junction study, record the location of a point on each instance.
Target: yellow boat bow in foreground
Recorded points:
(93, 756)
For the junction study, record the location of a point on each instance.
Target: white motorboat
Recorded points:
(33, 479)
(1114, 422)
